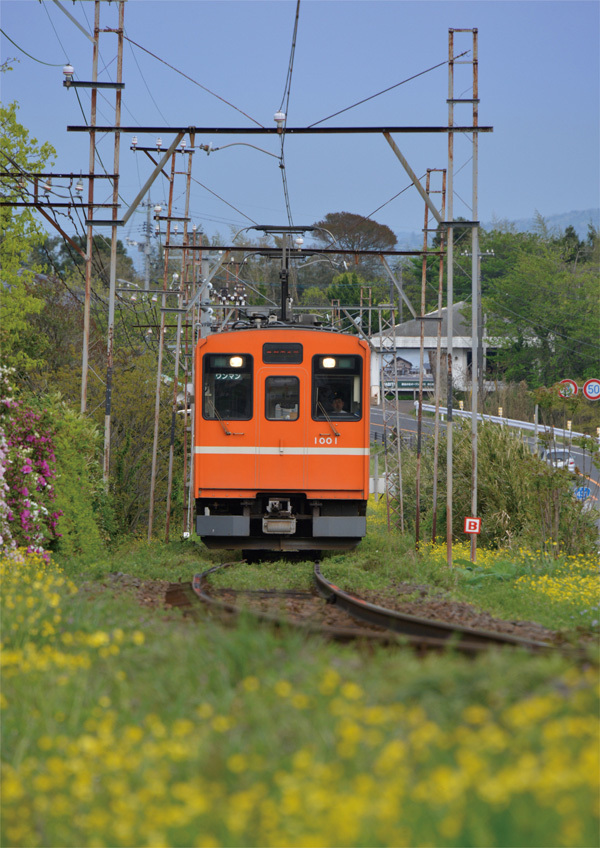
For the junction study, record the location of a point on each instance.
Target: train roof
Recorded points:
(262, 319)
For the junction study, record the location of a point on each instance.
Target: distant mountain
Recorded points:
(579, 219)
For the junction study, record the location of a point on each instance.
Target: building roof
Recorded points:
(408, 334)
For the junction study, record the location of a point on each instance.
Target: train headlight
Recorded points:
(329, 362)
(236, 361)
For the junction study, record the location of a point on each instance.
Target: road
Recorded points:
(587, 474)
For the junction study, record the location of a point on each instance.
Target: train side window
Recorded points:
(282, 398)
(337, 387)
(227, 386)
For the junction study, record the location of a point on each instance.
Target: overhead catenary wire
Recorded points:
(285, 101)
(39, 61)
(222, 199)
(192, 80)
(385, 90)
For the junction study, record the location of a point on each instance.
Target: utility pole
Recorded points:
(90, 227)
(161, 344)
(182, 288)
(113, 252)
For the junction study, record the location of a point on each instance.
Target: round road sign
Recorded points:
(591, 389)
(569, 388)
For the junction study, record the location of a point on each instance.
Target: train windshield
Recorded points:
(337, 387)
(282, 398)
(227, 386)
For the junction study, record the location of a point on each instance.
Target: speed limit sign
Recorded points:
(591, 389)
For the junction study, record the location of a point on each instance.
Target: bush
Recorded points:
(86, 521)
(27, 516)
(520, 498)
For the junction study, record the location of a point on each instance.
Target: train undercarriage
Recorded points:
(281, 522)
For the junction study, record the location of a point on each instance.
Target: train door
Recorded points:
(283, 404)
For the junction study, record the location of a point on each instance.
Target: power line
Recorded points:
(385, 90)
(49, 64)
(231, 206)
(285, 101)
(146, 84)
(203, 87)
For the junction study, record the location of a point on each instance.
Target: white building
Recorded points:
(408, 343)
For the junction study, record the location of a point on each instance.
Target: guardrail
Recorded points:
(508, 422)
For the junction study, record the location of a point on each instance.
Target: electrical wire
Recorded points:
(55, 32)
(146, 84)
(231, 206)
(385, 90)
(49, 64)
(195, 82)
(285, 101)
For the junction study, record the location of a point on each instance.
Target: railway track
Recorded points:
(343, 616)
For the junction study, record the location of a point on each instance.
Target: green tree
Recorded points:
(544, 313)
(67, 260)
(19, 234)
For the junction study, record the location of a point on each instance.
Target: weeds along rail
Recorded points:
(343, 617)
(458, 636)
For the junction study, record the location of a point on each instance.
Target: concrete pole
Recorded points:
(475, 300)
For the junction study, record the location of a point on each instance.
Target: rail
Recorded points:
(508, 422)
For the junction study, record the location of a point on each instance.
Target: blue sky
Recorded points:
(538, 85)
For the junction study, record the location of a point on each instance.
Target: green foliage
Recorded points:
(19, 234)
(64, 260)
(545, 315)
(86, 520)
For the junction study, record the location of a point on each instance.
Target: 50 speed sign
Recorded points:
(591, 389)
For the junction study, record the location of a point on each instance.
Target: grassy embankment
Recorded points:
(125, 726)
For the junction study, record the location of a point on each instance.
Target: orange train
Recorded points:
(281, 442)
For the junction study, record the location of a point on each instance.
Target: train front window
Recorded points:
(227, 386)
(337, 387)
(282, 398)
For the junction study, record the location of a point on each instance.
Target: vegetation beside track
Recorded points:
(128, 726)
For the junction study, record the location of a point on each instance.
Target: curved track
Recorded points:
(345, 617)
(459, 636)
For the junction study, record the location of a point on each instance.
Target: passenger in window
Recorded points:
(338, 406)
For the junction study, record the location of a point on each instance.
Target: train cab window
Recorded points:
(282, 398)
(227, 386)
(337, 387)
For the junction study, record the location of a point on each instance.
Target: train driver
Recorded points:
(338, 406)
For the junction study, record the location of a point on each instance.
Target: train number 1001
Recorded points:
(325, 440)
